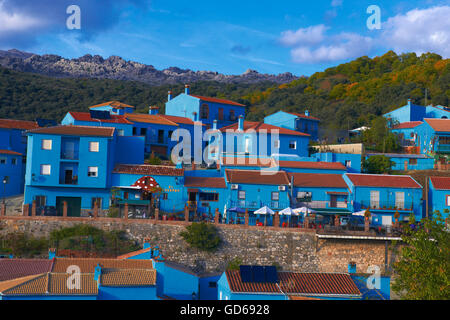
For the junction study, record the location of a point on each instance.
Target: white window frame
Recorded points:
(90, 170)
(120, 132)
(239, 194)
(92, 144)
(46, 144)
(400, 196)
(447, 200)
(44, 172)
(294, 142)
(276, 144)
(348, 163)
(374, 198)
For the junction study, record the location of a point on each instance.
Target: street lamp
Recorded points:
(4, 189)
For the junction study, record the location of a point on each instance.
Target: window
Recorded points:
(374, 199)
(134, 131)
(276, 144)
(293, 145)
(165, 196)
(92, 171)
(207, 196)
(447, 200)
(275, 196)
(212, 284)
(348, 163)
(120, 132)
(5, 180)
(400, 200)
(45, 169)
(412, 162)
(241, 195)
(143, 131)
(232, 115)
(94, 146)
(46, 144)
(444, 140)
(2, 160)
(204, 111)
(98, 200)
(14, 161)
(41, 201)
(220, 115)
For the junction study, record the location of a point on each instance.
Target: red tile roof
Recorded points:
(149, 118)
(18, 124)
(441, 183)
(318, 180)
(383, 180)
(298, 283)
(115, 104)
(76, 131)
(179, 120)
(407, 125)
(134, 253)
(300, 115)
(87, 265)
(204, 182)
(10, 152)
(86, 116)
(257, 177)
(439, 125)
(146, 169)
(16, 268)
(246, 162)
(217, 100)
(258, 126)
(311, 165)
(128, 277)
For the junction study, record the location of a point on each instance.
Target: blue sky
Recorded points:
(229, 37)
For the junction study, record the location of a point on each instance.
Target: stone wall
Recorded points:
(293, 250)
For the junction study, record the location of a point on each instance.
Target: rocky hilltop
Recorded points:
(115, 67)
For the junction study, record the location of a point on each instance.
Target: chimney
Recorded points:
(186, 89)
(97, 273)
(146, 243)
(307, 113)
(241, 123)
(409, 102)
(169, 95)
(214, 125)
(153, 110)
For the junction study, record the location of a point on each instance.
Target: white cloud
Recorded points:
(419, 30)
(304, 36)
(11, 21)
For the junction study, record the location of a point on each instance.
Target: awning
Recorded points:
(333, 211)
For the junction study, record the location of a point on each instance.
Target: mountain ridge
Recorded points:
(117, 68)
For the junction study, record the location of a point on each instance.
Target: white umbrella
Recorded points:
(288, 211)
(224, 213)
(304, 210)
(359, 213)
(264, 210)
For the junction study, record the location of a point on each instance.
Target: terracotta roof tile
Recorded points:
(134, 253)
(5, 285)
(318, 180)
(147, 169)
(439, 125)
(34, 286)
(128, 277)
(179, 120)
(88, 264)
(256, 177)
(383, 180)
(298, 283)
(10, 152)
(258, 126)
(18, 124)
(441, 183)
(205, 182)
(218, 100)
(311, 165)
(246, 162)
(407, 125)
(17, 268)
(150, 118)
(76, 131)
(86, 116)
(116, 104)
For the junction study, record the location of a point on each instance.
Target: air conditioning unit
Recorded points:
(281, 188)
(234, 187)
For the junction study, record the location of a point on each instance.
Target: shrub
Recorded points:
(202, 236)
(234, 264)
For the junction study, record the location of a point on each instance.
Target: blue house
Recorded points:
(405, 161)
(295, 121)
(439, 195)
(412, 112)
(204, 109)
(261, 139)
(73, 165)
(11, 173)
(434, 136)
(383, 195)
(113, 107)
(349, 160)
(282, 285)
(407, 133)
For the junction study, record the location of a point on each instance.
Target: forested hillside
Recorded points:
(347, 96)
(351, 94)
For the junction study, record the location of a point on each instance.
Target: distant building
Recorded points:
(434, 136)
(295, 121)
(406, 162)
(412, 112)
(439, 195)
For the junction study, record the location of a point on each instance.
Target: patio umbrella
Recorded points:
(304, 210)
(264, 210)
(288, 212)
(359, 213)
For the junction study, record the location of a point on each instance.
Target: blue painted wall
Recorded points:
(127, 293)
(11, 169)
(437, 200)
(351, 161)
(293, 122)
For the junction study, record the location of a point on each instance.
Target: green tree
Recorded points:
(423, 268)
(378, 164)
(202, 236)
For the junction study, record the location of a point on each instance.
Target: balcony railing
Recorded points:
(443, 148)
(256, 204)
(69, 155)
(387, 205)
(319, 204)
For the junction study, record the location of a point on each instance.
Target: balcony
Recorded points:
(70, 149)
(320, 204)
(443, 148)
(387, 206)
(256, 204)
